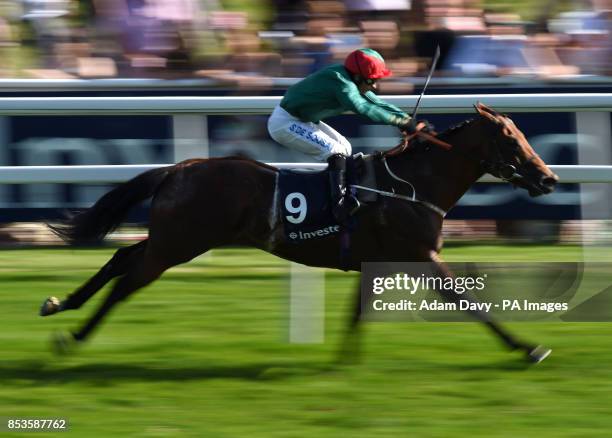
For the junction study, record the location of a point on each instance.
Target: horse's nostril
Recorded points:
(549, 181)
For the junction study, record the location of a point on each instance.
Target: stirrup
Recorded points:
(345, 208)
(353, 203)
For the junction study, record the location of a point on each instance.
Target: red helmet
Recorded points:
(366, 63)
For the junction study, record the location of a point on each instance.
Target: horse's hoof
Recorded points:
(63, 343)
(538, 354)
(50, 306)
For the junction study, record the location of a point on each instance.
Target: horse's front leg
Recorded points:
(535, 353)
(350, 347)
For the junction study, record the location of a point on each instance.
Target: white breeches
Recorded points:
(318, 140)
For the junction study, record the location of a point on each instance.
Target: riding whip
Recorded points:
(433, 67)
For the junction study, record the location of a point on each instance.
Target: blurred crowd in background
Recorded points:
(252, 41)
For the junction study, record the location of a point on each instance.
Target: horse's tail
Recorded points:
(91, 225)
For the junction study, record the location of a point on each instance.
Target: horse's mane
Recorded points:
(405, 143)
(453, 129)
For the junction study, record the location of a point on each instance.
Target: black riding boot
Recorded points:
(343, 203)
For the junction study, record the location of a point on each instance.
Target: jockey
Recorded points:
(296, 121)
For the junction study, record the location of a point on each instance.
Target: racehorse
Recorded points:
(200, 204)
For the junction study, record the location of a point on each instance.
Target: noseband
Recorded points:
(503, 170)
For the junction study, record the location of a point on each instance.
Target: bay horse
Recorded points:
(200, 204)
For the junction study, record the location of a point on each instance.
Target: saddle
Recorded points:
(304, 202)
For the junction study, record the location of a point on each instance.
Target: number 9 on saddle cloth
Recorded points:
(304, 203)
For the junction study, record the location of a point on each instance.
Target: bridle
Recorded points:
(502, 169)
(499, 167)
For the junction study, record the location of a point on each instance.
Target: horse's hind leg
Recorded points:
(117, 265)
(141, 272)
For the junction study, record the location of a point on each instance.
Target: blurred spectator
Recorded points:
(587, 38)
(359, 10)
(486, 55)
(245, 44)
(147, 34)
(442, 23)
(48, 21)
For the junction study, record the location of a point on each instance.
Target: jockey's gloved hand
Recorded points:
(425, 126)
(409, 126)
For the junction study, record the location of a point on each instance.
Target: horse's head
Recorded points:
(509, 156)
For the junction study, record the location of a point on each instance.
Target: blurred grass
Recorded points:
(203, 353)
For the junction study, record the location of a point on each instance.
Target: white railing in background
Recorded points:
(576, 102)
(119, 173)
(460, 103)
(12, 85)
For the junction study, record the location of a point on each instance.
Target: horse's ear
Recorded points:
(485, 111)
(481, 107)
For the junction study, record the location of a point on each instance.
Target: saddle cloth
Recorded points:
(305, 204)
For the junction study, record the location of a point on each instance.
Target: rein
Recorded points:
(396, 151)
(430, 138)
(426, 136)
(412, 198)
(500, 168)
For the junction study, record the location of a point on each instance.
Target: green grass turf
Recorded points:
(204, 353)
